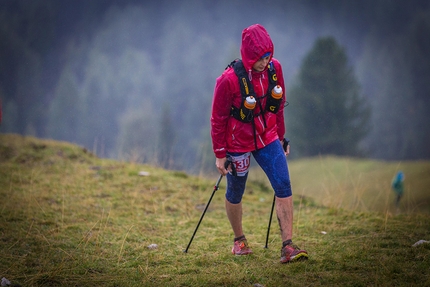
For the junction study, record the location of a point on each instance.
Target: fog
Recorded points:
(116, 76)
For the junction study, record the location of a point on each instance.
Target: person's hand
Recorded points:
(286, 146)
(220, 165)
(287, 152)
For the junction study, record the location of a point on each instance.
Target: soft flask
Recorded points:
(274, 99)
(247, 109)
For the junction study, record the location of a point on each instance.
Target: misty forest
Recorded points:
(133, 80)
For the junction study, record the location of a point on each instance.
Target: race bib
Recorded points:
(241, 163)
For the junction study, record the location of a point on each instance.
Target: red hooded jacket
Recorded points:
(230, 134)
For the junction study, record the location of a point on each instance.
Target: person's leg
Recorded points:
(233, 201)
(235, 190)
(233, 206)
(284, 212)
(272, 160)
(234, 214)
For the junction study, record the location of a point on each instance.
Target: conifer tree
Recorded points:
(327, 114)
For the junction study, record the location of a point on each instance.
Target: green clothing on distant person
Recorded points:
(398, 186)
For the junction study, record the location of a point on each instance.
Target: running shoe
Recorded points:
(292, 253)
(241, 248)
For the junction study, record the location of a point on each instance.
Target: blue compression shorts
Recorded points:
(272, 160)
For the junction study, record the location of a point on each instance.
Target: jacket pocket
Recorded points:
(240, 134)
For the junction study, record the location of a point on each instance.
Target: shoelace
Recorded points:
(243, 244)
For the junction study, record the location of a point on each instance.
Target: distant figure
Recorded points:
(397, 186)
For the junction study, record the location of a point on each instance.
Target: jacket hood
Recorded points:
(255, 43)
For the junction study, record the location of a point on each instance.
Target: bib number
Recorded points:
(242, 163)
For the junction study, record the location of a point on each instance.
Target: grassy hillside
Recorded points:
(360, 184)
(68, 218)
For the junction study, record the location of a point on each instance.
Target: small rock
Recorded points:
(323, 232)
(419, 242)
(5, 282)
(152, 246)
(143, 173)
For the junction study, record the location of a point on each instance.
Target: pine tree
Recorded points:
(327, 113)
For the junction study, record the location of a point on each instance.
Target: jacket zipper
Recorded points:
(262, 114)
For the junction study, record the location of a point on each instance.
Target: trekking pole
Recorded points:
(270, 221)
(285, 144)
(227, 163)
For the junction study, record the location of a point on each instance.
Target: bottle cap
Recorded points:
(277, 89)
(250, 102)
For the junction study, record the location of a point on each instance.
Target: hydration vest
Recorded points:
(247, 89)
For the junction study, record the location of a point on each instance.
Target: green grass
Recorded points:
(68, 218)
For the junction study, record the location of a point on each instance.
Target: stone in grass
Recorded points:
(5, 282)
(419, 242)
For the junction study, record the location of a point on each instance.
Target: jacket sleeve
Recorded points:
(221, 107)
(280, 115)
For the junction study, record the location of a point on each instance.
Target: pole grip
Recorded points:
(228, 162)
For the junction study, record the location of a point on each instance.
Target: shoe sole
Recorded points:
(298, 257)
(244, 253)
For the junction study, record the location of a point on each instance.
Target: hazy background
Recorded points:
(133, 80)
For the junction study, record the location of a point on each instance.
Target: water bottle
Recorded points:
(247, 109)
(274, 99)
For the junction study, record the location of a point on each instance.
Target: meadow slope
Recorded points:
(68, 218)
